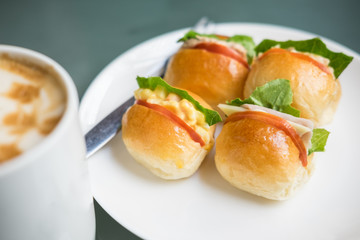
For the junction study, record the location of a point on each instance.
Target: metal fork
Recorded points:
(108, 127)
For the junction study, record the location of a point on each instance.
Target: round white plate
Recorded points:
(205, 206)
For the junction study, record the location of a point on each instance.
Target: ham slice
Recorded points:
(302, 126)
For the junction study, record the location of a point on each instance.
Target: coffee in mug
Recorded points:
(32, 102)
(44, 180)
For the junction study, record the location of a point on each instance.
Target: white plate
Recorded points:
(204, 206)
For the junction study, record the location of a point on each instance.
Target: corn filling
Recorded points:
(182, 108)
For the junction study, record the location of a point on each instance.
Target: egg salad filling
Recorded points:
(182, 108)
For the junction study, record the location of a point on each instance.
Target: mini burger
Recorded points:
(168, 130)
(264, 148)
(312, 69)
(212, 66)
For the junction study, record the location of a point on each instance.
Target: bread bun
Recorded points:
(261, 159)
(315, 93)
(214, 77)
(160, 145)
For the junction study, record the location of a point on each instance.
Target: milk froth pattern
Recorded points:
(32, 102)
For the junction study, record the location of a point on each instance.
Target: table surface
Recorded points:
(84, 36)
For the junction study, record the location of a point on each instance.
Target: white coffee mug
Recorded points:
(45, 191)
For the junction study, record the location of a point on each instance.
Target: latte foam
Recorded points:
(32, 102)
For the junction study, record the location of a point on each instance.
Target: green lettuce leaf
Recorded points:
(246, 41)
(276, 95)
(338, 61)
(318, 140)
(211, 116)
(193, 35)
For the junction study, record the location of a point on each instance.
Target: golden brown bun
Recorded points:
(316, 94)
(260, 159)
(160, 145)
(214, 77)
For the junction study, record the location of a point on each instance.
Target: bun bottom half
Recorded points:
(160, 145)
(260, 159)
(316, 94)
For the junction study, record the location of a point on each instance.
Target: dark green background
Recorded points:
(84, 36)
